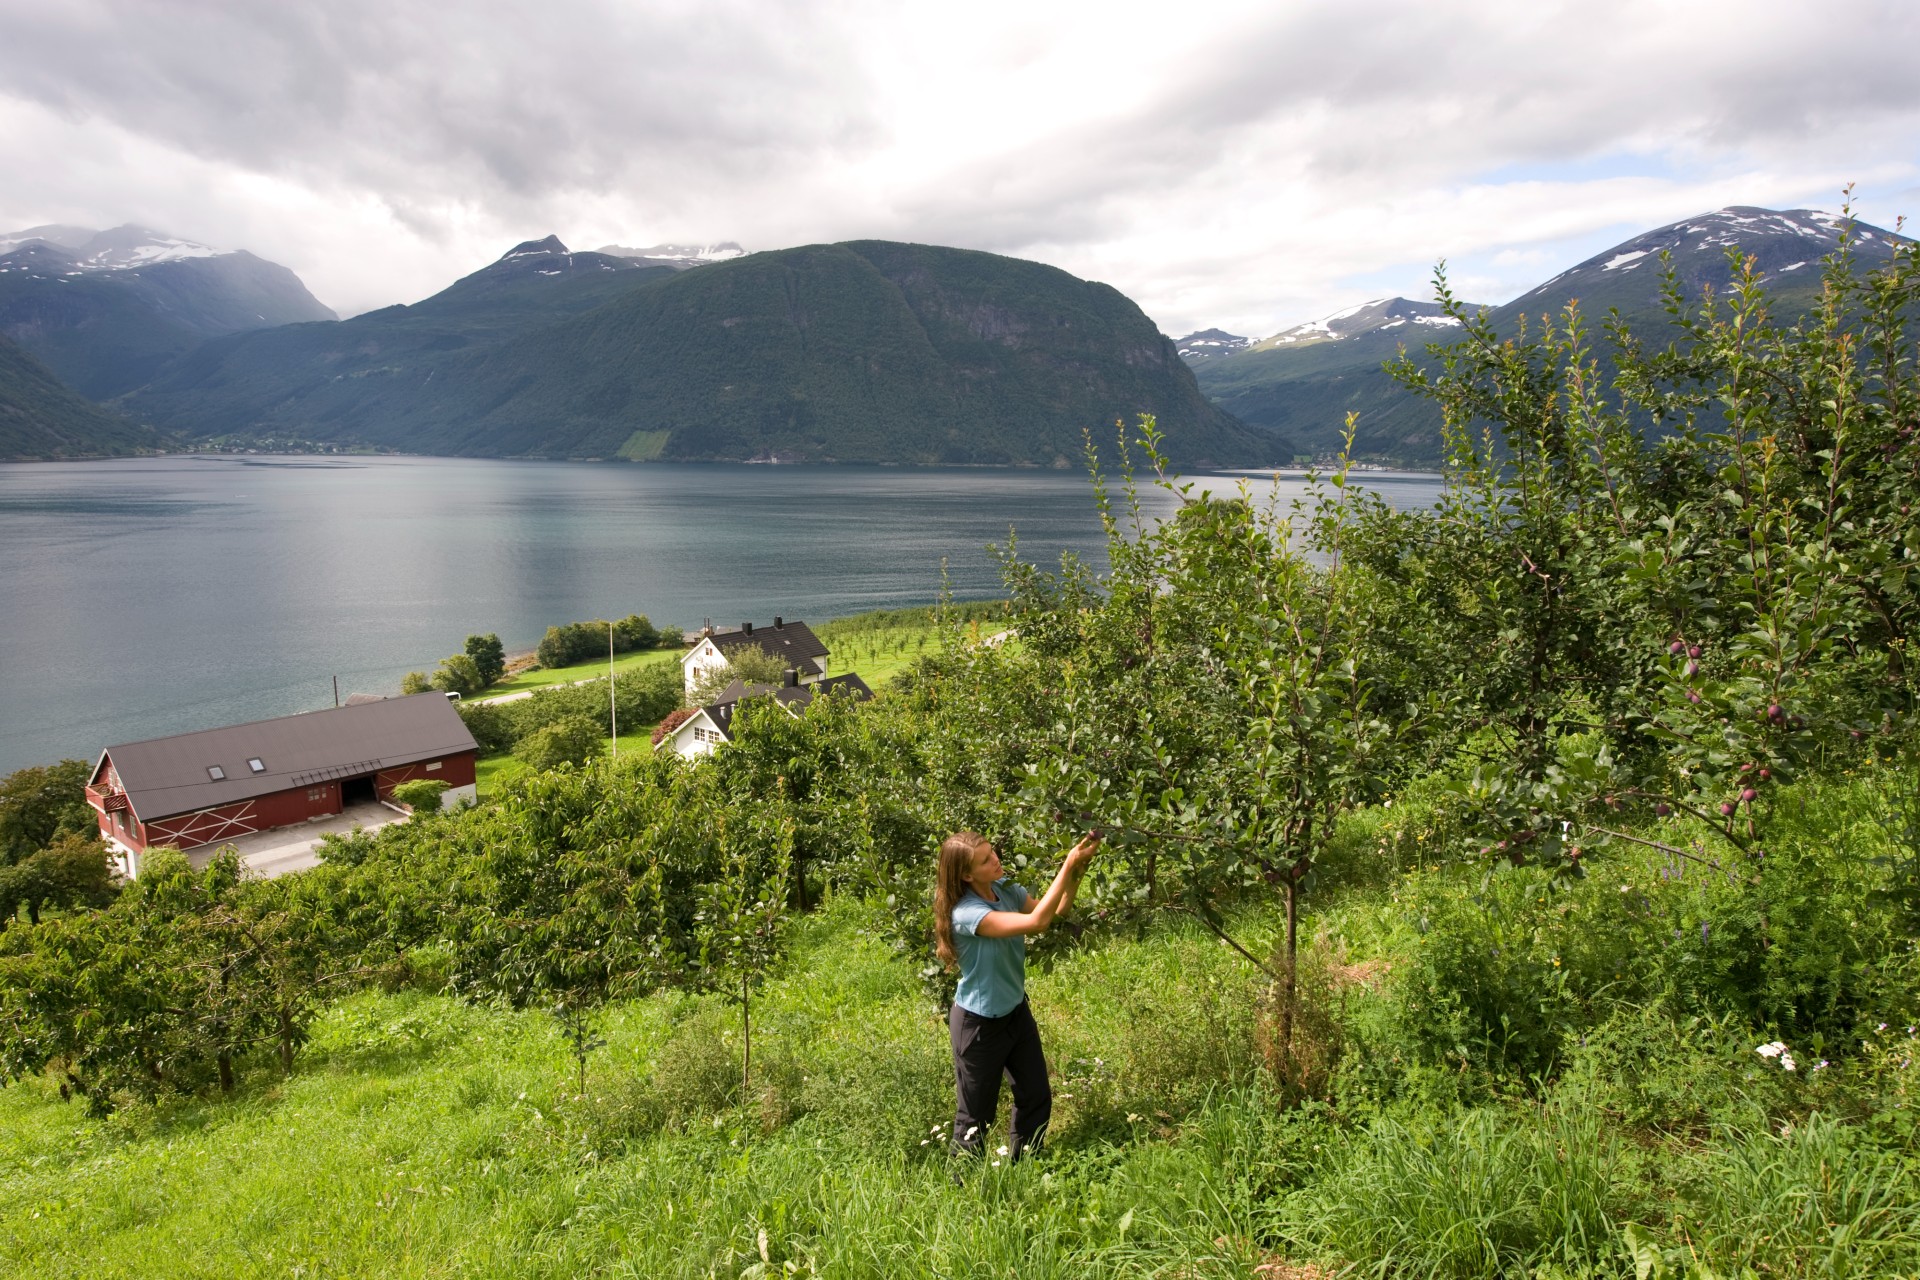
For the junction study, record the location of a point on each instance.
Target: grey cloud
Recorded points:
(1392, 96)
(769, 122)
(489, 99)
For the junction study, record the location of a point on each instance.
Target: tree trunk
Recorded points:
(226, 1072)
(286, 1041)
(746, 1041)
(1288, 969)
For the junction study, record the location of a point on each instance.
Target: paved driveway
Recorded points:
(274, 853)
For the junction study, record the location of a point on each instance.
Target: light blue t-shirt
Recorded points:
(993, 971)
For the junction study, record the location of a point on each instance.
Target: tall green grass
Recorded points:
(419, 1136)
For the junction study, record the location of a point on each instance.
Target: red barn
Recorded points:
(203, 788)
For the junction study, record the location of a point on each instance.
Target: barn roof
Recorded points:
(793, 697)
(167, 776)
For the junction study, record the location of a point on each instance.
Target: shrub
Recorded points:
(491, 724)
(489, 657)
(697, 1071)
(572, 740)
(459, 674)
(573, 642)
(41, 803)
(674, 719)
(422, 795)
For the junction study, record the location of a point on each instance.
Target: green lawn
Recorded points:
(493, 772)
(544, 677)
(421, 1137)
(880, 645)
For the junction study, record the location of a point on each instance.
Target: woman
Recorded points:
(980, 925)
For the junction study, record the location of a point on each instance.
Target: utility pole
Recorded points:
(336, 691)
(613, 707)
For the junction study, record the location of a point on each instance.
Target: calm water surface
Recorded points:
(146, 597)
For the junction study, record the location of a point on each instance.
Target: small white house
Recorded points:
(793, 644)
(712, 724)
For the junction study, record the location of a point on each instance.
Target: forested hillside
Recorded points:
(1526, 886)
(862, 352)
(41, 418)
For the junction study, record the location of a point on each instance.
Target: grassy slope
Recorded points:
(421, 1137)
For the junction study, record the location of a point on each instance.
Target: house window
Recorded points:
(434, 765)
(256, 764)
(215, 772)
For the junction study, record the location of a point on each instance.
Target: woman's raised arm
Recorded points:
(1055, 903)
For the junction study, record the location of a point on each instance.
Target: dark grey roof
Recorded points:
(793, 643)
(793, 697)
(167, 776)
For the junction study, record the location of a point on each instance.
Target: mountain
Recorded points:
(1204, 344)
(106, 310)
(40, 418)
(868, 351)
(1382, 315)
(678, 256)
(1303, 381)
(343, 380)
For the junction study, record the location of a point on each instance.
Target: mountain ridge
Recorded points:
(108, 312)
(1306, 387)
(868, 351)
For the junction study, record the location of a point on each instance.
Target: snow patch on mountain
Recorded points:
(1204, 344)
(1376, 316)
(1799, 235)
(678, 256)
(126, 248)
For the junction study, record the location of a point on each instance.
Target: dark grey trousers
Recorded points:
(983, 1049)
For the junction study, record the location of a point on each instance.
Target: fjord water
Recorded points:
(153, 596)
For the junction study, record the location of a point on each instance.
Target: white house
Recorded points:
(712, 724)
(793, 644)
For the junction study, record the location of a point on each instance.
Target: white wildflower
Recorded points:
(1771, 1050)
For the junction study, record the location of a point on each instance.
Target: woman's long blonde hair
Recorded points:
(950, 883)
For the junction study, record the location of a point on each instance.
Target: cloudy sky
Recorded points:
(1245, 165)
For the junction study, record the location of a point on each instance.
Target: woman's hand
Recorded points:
(1082, 853)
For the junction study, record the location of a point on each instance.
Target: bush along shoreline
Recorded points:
(1528, 886)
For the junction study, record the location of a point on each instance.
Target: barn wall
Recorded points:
(244, 817)
(454, 770)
